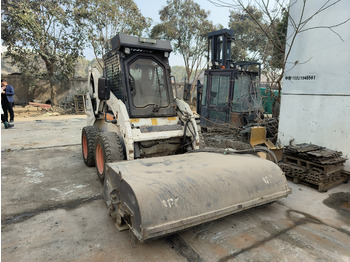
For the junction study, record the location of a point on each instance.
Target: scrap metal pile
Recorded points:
(315, 165)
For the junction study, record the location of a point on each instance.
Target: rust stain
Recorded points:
(243, 241)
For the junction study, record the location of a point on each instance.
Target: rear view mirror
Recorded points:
(103, 89)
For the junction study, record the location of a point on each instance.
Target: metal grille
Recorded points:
(113, 73)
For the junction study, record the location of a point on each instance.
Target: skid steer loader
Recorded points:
(145, 145)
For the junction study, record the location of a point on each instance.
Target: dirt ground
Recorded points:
(52, 209)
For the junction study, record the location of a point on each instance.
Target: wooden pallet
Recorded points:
(79, 103)
(303, 175)
(326, 169)
(321, 187)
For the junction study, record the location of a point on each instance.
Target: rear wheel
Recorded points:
(88, 136)
(108, 148)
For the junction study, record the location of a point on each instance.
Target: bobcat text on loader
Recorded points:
(145, 145)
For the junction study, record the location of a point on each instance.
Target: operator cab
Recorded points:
(138, 73)
(229, 95)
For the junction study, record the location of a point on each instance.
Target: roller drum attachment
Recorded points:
(162, 195)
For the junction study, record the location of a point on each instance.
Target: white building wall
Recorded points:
(315, 102)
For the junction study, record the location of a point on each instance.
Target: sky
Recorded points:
(150, 8)
(218, 15)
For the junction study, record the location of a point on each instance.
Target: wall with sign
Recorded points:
(315, 103)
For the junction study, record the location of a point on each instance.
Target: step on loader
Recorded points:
(144, 142)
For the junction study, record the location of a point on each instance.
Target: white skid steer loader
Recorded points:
(145, 145)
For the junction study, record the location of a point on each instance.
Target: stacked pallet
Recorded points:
(79, 103)
(315, 165)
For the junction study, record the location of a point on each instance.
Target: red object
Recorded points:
(46, 106)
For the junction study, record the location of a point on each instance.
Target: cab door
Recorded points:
(219, 86)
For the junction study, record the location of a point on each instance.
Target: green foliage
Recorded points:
(179, 72)
(280, 42)
(43, 30)
(258, 38)
(82, 67)
(186, 25)
(250, 41)
(35, 68)
(7, 66)
(104, 19)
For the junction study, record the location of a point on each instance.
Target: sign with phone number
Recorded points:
(310, 77)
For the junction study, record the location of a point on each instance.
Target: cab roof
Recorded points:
(122, 40)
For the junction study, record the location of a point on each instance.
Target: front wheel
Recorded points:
(108, 148)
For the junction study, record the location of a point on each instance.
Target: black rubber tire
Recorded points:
(88, 136)
(108, 148)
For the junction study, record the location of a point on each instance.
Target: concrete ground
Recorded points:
(52, 210)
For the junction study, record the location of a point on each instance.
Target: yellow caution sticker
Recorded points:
(172, 118)
(154, 122)
(134, 120)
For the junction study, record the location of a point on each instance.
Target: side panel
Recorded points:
(315, 105)
(123, 125)
(320, 120)
(114, 74)
(186, 114)
(89, 111)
